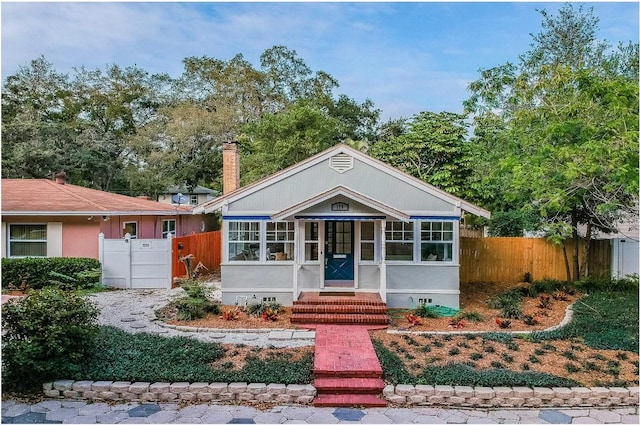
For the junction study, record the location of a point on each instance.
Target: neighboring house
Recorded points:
(182, 196)
(44, 218)
(339, 221)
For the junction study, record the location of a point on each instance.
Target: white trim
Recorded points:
(53, 213)
(422, 291)
(383, 263)
(346, 192)
(258, 290)
(215, 204)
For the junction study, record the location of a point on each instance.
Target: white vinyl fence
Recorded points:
(135, 263)
(624, 257)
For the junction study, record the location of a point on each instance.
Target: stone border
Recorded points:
(179, 391)
(568, 315)
(403, 395)
(515, 397)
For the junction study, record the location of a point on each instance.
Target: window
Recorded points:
(130, 227)
(399, 238)
(436, 241)
(311, 241)
(280, 240)
(367, 241)
(168, 226)
(27, 240)
(244, 241)
(193, 199)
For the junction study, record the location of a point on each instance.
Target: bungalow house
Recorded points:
(338, 221)
(45, 218)
(184, 196)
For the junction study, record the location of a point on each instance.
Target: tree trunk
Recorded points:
(584, 268)
(566, 262)
(576, 244)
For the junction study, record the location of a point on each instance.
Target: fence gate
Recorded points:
(135, 263)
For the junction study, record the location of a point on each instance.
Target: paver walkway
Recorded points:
(346, 368)
(66, 411)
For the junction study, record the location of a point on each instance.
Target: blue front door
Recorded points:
(338, 251)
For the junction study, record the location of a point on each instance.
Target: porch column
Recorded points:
(383, 261)
(297, 251)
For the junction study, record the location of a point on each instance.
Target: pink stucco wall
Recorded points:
(80, 238)
(80, 234)
(150, 227)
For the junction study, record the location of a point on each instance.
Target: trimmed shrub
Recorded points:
(196, 303)
(48, 335)
(60, 272)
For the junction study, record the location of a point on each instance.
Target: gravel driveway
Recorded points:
(133, 310)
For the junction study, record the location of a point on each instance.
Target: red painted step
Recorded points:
(342, 400)
(344, 318)
(349, 385)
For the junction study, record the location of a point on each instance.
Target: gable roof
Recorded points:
(344, 191)
(215, 204)
(45, 197)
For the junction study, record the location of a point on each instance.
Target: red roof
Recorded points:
(46, 197)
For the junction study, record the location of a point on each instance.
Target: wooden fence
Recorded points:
(205, 248)
(508, 259)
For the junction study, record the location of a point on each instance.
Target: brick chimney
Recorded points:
(60, 178)
(230, 167)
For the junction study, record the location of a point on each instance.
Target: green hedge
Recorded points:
(38, 273)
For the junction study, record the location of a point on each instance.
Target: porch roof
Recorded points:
(298, 208)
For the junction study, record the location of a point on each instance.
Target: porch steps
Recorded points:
(346, 369)
(360, 309)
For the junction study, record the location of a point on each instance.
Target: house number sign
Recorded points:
(340, 206)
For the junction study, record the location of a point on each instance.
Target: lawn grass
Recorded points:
(121, 356)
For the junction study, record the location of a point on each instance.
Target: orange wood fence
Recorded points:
(508, 259)
(205, 247)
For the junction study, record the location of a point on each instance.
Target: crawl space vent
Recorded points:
(341, 162)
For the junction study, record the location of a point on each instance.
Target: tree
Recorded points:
(281, 140)
(567, 129)
(432, 149)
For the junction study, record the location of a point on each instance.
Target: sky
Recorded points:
(406, 57)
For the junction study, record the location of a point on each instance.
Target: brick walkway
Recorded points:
(346, 368)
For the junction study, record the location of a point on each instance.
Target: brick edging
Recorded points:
(411, 395)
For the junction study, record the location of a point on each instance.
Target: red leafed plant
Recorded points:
(413, 319)
(230, 314)
(544, 301)
(457, 323)
(270, 314)
(529, 319)
(503, 323)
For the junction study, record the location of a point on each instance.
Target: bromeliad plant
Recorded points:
(412, 319)
(270, 314)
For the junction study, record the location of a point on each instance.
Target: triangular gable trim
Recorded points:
(344, 191)
(216, 204)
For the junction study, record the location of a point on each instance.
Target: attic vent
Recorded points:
(341, 162)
